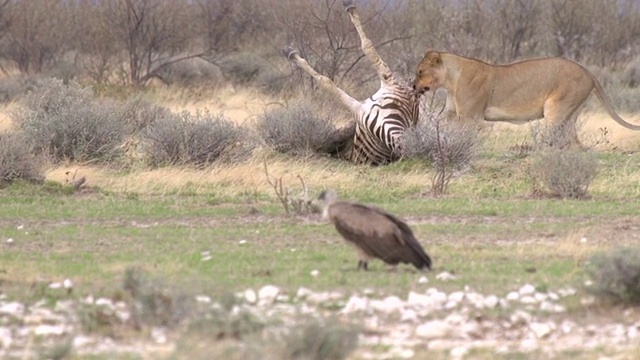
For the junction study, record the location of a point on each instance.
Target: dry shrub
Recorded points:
(616, 275)
(16, 160)
(320, 340)
(449, 145)
(563, 173)
(67, 122)
(154, 302)
(194, 139)
(297, 130)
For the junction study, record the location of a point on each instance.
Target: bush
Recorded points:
(67, 122)
(616, 275)
(199, 139)
(563, 173)
(450, 146)
(16, 161)
(297, 130)
(456, 146)
(318, 341)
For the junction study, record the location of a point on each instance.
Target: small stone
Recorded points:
(520, 317)
(388, 304)
(55, 285)
(203, 299)
(541, 330)
(315, 273)
(459, 352)
(267, 294)
(490, 301)
(456, 296)
(250, 296)
(528, 300)
(303, 292)
(513, 296)
(159, 335)
(583, 240)
(67, 284)
(47, 330)
(434, 329)
(527, 289)
(10, 241)
(356, 304)
(423, 280)
(241, 242)
(12, 308)
(445, 276)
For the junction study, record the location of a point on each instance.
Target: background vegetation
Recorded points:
(126, 166)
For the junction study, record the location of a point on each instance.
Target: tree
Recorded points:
(37, 33)
(152, 34)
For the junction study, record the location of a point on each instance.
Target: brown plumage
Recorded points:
(374, 232)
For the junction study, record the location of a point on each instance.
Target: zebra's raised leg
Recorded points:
(324, 82)
(384, 72)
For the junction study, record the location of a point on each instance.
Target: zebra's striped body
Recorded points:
(381, 119)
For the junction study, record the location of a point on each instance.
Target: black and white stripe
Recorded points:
(381, 119)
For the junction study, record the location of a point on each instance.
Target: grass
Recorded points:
(489, 231)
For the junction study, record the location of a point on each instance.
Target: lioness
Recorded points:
(550, 88)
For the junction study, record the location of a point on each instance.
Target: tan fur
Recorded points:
(549, 88)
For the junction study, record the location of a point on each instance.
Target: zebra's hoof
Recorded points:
(289, 51)
(348, 5)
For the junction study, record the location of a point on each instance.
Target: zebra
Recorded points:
(382, 118)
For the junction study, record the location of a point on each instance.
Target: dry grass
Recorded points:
(5, 120)
(238, 105)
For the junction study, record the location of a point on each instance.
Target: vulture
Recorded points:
(373, 232)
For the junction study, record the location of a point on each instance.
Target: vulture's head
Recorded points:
(327, 197)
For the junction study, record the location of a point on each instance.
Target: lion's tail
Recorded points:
(606, 103)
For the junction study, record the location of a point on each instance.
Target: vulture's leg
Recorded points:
(363, 264)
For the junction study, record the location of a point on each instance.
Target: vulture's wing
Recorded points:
(378, 233)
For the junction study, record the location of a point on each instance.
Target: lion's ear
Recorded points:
(435, 59)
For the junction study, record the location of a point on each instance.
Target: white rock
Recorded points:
(159, 335)
(437, 297)
(552, 307)
(513, 296)
(541, 330)
(528, 300)
(47, 330)
(540, 296)
(583, 240)
(303, 292)
(250, 296)
(527, 289)
(13, 308)
(267, 294)
(423, 280)
(456, 296)
(520, 317)
(387, 305)
(315, 273)
(55, 285)
(567, 292)
(409, 316)
(418, 299)
(434, 329)
(402, 353)
(459, 352)
(10, 241)
(632, 333)
(104, 302)
(455, 319)
(241, 242)
(588, 283)
(445, 276)
(203, 299)
(475, 299)
(587, 300)
(20, 227)
(67, 284)
(5, 337)
(490, 301)
(356, 304)
(451, 304)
